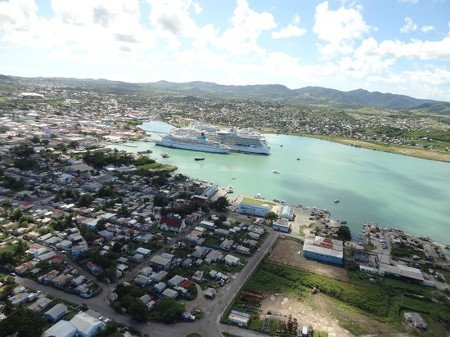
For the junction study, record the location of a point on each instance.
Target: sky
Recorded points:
(398, 46)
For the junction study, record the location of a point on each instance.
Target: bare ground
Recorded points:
(285, 252)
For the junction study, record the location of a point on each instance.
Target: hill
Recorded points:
(307, 95)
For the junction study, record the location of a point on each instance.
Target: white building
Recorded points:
(282, 225)
(61, 329)
(86, 325)
(254, 207)
(231, 260)
(287, 213)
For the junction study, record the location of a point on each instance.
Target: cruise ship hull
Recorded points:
(249, 149)
(192, 147)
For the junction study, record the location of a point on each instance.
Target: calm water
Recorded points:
(397, 191)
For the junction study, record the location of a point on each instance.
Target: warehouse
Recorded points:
(324, 250)
(287, 213)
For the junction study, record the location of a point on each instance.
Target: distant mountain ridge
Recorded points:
(277, 92)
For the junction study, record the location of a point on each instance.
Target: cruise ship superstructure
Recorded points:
(206, 138)
(189, 139)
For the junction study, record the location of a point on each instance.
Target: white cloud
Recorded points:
(291, 30)
(424, 50)
(173, 20)
(408, 26)
(80, 27)
(16, 14)
(427, 29)
(409, 1)
(418, 83)
(246, 27)
(338, 29)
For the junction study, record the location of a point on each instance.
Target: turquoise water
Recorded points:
(396, 191)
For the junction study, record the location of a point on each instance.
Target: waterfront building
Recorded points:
(324, 250)
(254, 207)
(287, 212)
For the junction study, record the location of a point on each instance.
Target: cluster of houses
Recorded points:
(65, 320)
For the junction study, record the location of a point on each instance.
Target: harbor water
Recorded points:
(395, 191)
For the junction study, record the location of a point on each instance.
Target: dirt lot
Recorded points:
(286, 252)
(324, 315)
(305, 314)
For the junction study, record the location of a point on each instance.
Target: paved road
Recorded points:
(208, 326)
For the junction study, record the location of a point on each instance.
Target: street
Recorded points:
(209, 326)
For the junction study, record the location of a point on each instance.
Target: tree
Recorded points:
(25, 163)
(343, 233)
(160, 200)
(168, 310)
(220, 204)
(138, 311)
(22, 150)
(73, 144)
(123, 212)
(26, 323)
(61, 147)
(85, 200)
(271, 216)
(16, 214)
(35, 139)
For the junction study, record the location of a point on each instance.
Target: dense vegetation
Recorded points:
(25, 322)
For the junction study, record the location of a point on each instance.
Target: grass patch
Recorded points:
(257, 202)
(158, 167)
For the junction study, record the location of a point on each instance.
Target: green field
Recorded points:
(385, 301)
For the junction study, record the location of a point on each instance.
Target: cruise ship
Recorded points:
(237, 140)
(190, 139)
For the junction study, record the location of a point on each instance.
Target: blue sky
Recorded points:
(399, 46)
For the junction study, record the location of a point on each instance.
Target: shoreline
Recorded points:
(388, 148)
(303, 222)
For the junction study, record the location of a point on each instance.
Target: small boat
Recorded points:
(281, 145)
(233, 178)
(298, 158)
(336, 201)
(229, 189)
(199, 158)
(165, 155)
(276, 172)
(343, 222)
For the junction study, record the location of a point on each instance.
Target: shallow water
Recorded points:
(408, 193)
